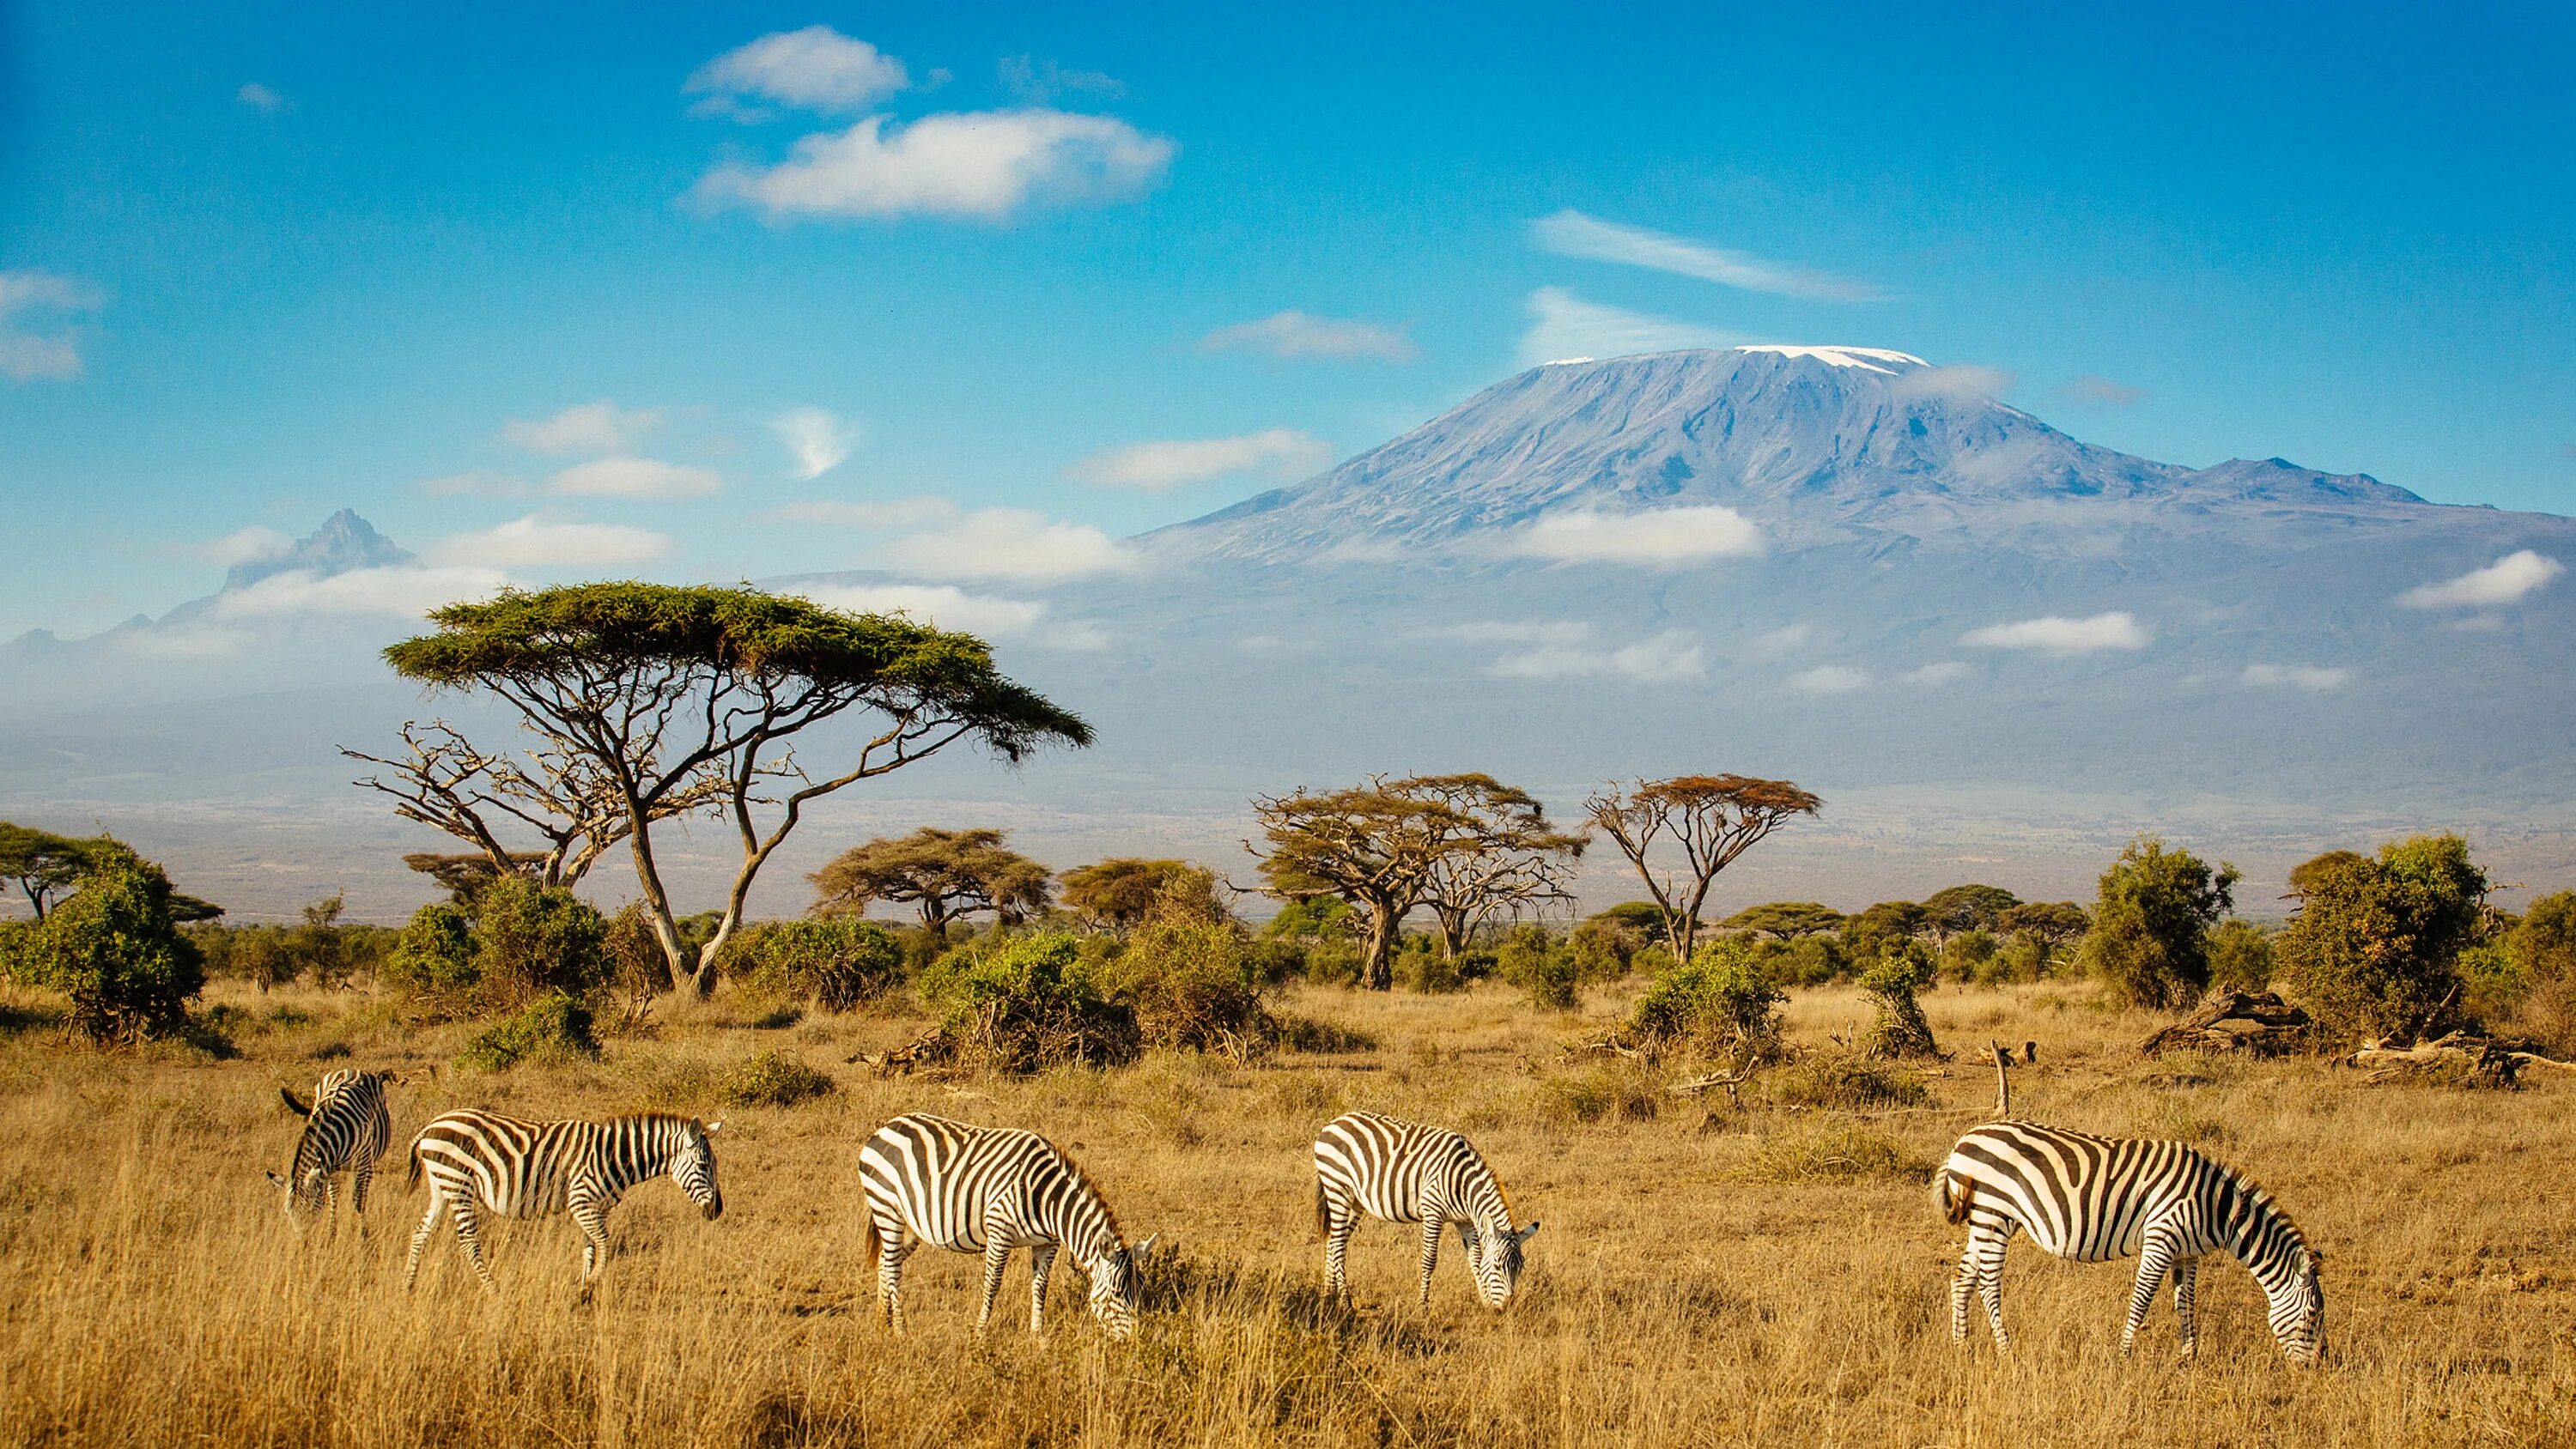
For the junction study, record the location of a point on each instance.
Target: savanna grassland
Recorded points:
(1704, 1275)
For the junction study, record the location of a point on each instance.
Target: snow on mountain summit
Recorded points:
(1865, 358)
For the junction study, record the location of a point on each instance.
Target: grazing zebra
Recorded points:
(476, 1160)
(345, 1130)
(1405, 1172)
(2094, 1199)
(989, 1190)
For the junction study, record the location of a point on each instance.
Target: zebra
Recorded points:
(476, 1159)
(989, 1190)
(346, 1129)
(1405, 1172)
(2094, 1199)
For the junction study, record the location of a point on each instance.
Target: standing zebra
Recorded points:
(345, 1130)
(477, 1159)
(989, 1190)
(1405, 1172)
(2094, 1199)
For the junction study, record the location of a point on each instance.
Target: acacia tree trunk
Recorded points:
(1456, 925)
(1386, 917)
(698, 975)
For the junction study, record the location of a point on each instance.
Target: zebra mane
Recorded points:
(1511, 1216)
(1090, 1189)
(2260, 1211)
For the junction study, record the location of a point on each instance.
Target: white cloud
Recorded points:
(1934, 675)
(912, 512)
(260, 98)
(1784, 640)
(52, 354)
(1573, 234)
(1656, 537)
(1565, 328)
(597, 427)
(1280, 453)
(1010, 543)
(1829, 679)
(1957, 382)
(182, 643)
(816, 68)
(246, 545)
(985, 164)
(635, 478)
(820, 441)
(943, 606)
(532, 542)
(1303, 334)
(2501, 582)
(1565, 651)
(2295, 676)
(2059, 635)
(405, 589)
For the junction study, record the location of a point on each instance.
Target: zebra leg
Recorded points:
(359, 1178)
(997, 1255)
(469, 1237)
(420, 1238)
(1962, 1285)
(587, 1216)
(1986, 1249)
(1041, 1262)
(1431, 1228)
(890, 1256)
(1341, 1218)
(2155, 1259)
(2186, 1277)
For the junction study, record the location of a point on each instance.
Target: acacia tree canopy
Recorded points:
(944, 874)
(1786, 920)
(1118, 894)
(1960, 909)
(43, 864)
(662, 700)
(1500, 851)
(1709, 820)
(1372, 845)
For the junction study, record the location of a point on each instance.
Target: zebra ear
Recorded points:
(1527, 1233)
(1137, 1253)
(714, 1127)
(274, 1180)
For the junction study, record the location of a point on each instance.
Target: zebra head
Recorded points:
(1495, 1254)
(1117, 1287)
(2299, 1308)
(693, 1167)
(303, 1196)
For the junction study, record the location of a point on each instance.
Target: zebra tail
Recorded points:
(1323, 1219)
(294, 1103)
(876, 1240)
(411, 1174)
(1954, 1208)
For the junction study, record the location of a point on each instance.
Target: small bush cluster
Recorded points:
(115, 950)
(771, 1078)
(1830, 1151)
(518, 943)
(1550, 972)
(1898, 1030)
(1194, 983)
(1719, 1004)
(1844, 1082)
(554, 1027)
(1026, 1003)
(838, 963)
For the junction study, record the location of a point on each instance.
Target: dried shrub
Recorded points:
(1194, 984)
(1023, 1004)
(1844, 1081)
(1833, 1151)
(1898, 1030)
(771, 1079)
(1614, 1091)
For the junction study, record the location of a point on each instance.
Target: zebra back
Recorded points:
(525, 1168)
(1406, 1171)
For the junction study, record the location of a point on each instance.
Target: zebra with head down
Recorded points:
(346, 1128)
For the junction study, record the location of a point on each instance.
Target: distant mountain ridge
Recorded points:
(343, 542)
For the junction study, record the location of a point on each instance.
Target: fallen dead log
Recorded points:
(2257, 1022)
(1732, 1083)
(934, 1052)
(2470, 1061)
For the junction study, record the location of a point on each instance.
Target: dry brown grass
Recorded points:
(1691, 1286)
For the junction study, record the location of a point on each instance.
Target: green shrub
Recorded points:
(1542, 967)
(1970, 956)
(532, 940)
(1844, 1081)
(434, 954)
(1419, 966)
(1194, 984)
(1898, 1030)
(2151, 922)
(2240, 956)
(637, 965)
(1025, 1003)
(17, 947)
(1605, 948)
(2539, 972)
(772, 1079)
(836, 962)
(1720, 1004)
(2374, 949)
(553, 1027)
(115, 951)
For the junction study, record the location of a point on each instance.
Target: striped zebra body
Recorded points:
(346, 1129)
(1404, 1172)
(479, 1161)
(990, 1190)
(2094, 1199)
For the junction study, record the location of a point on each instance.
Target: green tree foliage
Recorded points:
(839, 962)
(1898, 1030)
(647, 702)
(1680, 833)
(1194, 981)
(1645, 918)
(1117, 895)
(532, 940)
(1605, 947)
(2541, 954)
(114, 948)
(1869, 933)
(2374, 949)
(2040, 934)
(41, 864)
(943, 874)
(1719, 1004)
(2151, 922)
(1316, 938)
(1502, 852)
(1785, 920)
(1543, 967)
(637, 969)
(554, 1027)
(1021, 1004)
(2240, 956)
(1964, 908)
(1371, 845)
(434, 954)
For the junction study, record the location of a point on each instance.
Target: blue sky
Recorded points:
(255, 266)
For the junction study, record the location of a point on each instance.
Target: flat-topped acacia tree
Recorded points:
(1708, 820)
(651, 695)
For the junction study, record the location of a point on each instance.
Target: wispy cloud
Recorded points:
(2057, 634)
(1039, 82)
(1565, 328)
(1570, 651)
(1010, 543)
(1573, 234)
(943, 606)
(2501, 582)
(2102, 390)
(1956, 382)
(1829, 679)
(594, 427)
(1936, 674)
(2295, 676)
(635, 478)
(987, 165)
(535, 543)
(1160, 467)
(815, 69)
(260, 98)
(248, 545)
(407, 590)
(37, 340)
(885, 513)
(1302, 334)
(819, 441)
(1659, 537)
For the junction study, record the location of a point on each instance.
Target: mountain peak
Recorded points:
(344, 542)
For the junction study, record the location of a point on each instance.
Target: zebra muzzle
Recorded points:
(714, 1209)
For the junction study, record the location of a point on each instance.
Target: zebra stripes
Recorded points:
(477, 1160)
(2094, 1199)
(1405, 1172)
(989, 1190)
(345, 1130)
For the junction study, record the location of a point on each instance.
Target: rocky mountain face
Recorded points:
(343, 542)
